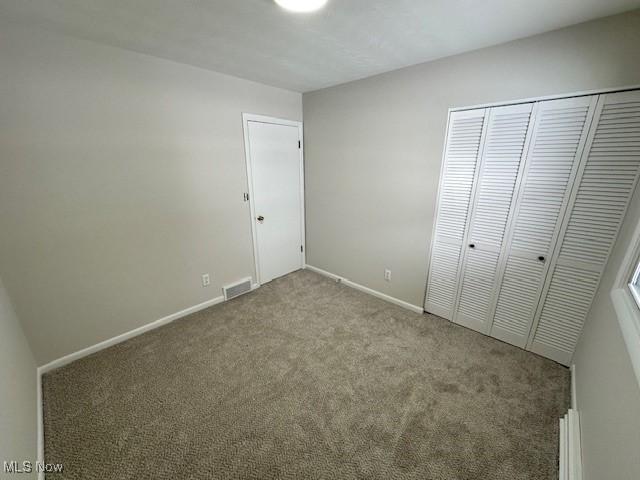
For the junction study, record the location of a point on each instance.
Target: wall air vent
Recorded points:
(237, 289)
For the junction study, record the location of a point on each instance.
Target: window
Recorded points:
(626, 300)
(634, 284)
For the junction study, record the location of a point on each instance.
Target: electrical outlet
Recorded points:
(387, 275)
(206, 280)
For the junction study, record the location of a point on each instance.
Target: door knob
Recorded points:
(261, 219)
(541, 258)
(472, 245)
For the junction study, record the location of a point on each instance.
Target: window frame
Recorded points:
(625, 296)
(633, 286)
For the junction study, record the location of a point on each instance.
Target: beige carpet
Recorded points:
(306, 378)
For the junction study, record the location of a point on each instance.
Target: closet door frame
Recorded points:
(583, 93)
(486, 106)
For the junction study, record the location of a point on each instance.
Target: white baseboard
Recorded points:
(563, 466)
(40, 424)
(570, 464)
(163, 321)
(101, 346)
(362, 288)
(127, 335)
(574, 392)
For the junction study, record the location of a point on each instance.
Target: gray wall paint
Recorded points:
(608, 393)
(121, 178)
(18, 437)
(121, 182)
(373, 147)
(373, 153)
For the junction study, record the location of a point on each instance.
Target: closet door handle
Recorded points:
(541, 258)
(472, 245)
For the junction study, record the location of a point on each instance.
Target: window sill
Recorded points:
(629, 319)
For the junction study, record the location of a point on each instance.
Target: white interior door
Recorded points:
(275, 176)
(499, 173)
(552, 160)
(605, 184)
(465, 137)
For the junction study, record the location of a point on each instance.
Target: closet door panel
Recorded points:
(498, 173)
(518, 298)
(477, 289)
(551, 164)
(465, 134)
(566, 305)
(606, 182)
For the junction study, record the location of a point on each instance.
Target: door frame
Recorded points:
(250, 117)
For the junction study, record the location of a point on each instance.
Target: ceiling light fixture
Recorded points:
(301, 5)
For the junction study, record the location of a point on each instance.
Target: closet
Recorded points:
(531, 199)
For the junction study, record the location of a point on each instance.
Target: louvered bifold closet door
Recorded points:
(558, 138)
(465, 134)
(498, 173)
(605, 184)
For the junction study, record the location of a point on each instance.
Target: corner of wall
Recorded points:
(19, 423)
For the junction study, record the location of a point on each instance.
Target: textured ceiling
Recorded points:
(347, 40)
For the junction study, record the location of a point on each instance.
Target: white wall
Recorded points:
(121, 182)
(18, 438)
(608, 393)
(373, 152)
(373, 147)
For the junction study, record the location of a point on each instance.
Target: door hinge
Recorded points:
(299, 144)
(245, 196)
(301, 248)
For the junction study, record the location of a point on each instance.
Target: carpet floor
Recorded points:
(306, 378)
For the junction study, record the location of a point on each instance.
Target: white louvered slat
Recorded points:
(465, 134)
(518, 295)
(559, 135)
(607, 179)
(477, 287)
(498, 172)
(562, 315)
